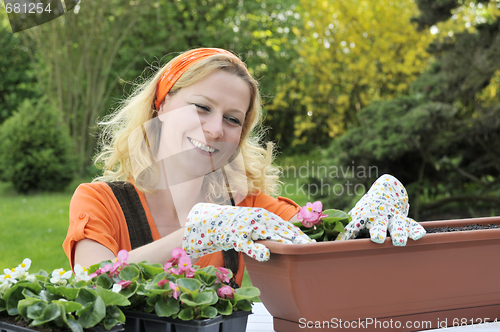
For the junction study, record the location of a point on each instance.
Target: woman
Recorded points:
(170, 142)
(184, 150)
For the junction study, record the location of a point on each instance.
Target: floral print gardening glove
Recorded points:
(211, 228)
(384, 207)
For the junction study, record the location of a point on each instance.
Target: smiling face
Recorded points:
(202, 123)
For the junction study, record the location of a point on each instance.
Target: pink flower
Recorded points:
(175, 288)
(124, 283)
(162, 282)
(311, 214)
(120, 262)
(184, 266)
(177, 254)
(106, 268)
(225, 292)
(222, 274)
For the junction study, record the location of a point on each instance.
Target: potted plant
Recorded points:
(60, 301)
(444, 279)
(177, 296)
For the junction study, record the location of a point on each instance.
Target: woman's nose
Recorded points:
(213, 126)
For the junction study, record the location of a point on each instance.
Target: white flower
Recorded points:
(9, 276)
(116, 288)
(25, 265)
(81, 273)
(59, 276)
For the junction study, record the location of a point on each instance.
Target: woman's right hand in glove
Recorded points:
(211, 228)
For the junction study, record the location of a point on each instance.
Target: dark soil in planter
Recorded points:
(22, 323)
(365, 233)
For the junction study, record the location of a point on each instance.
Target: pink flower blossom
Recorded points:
(124, 283)
(163, 282)
(222, 274)
(311, 214)
(177, 254)
(184, 266)
(120, 262)
(225, 292)
(175, 288)
(106, 268)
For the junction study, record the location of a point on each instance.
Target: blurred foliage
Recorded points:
(441, 139)
(17, 80)
(410, 87)
(86, 59)
(351, 52)
(35, 149)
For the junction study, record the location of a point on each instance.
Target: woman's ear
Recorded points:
(162, 105)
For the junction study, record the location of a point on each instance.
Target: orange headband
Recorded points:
(180, 64)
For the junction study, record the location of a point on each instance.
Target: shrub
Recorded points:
(35, 149)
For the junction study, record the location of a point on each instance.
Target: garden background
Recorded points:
(352, 90)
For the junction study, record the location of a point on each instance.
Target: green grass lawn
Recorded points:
(34, 226)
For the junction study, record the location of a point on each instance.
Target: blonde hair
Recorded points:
(123, 135)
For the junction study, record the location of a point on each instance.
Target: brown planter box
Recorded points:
(448, 279)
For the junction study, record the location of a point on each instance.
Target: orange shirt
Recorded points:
(95, 214)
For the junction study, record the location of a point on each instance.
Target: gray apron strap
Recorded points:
(137, 222)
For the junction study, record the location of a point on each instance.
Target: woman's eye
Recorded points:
(234, 121)
(204, 108)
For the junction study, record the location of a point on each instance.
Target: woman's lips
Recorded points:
(199, 149)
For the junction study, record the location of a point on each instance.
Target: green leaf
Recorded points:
(86, 296)
(167, 309)
(51, 312)
(15, 294)
(334, 215)
(130, 289)
(42, 274)
(205, 278)
(67, 293)
(35, 310)
(186, 314)
(113, 316)
(104, 281)
(188, 285)
(207, 297)
(207, 269)
(151, 269)
(73, 324)
(69, 306)
(111, 298)
(317, 235)
(93, 314)
(153, 299)
(46, 295)
(129, 273)
(224, 307)
(28, 293)
(208, 312)
(244, 305)
(246, 293)
(23, 306)
(159, 277)
(339, 227)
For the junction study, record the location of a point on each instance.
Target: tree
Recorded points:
(17, 80)
(350, 53)
(442, 138)
(87, 57)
